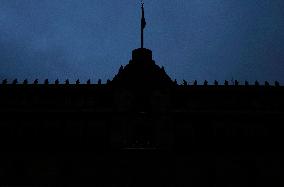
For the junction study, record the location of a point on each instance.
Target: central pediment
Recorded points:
(142, 71)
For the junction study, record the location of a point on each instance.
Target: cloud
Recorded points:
(192, 39)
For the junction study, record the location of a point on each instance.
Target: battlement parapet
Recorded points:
(99, 82)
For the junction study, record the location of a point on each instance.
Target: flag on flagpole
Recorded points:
(143, 21)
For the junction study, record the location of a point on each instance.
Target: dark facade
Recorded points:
(141, 129)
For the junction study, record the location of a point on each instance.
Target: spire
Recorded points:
(143, 25)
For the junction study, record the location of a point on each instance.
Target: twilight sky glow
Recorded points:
(192, 39)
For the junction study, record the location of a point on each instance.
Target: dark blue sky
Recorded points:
(192, 39)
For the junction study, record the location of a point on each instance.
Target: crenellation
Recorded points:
(216, 83)
(25, 82)
(184, 83)
(46, 82)
(36, 81)
(15, 81)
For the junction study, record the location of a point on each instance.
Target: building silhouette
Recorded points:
(141, 129)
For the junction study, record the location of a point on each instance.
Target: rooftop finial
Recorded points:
(143, 24)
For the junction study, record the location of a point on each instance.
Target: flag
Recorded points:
(143, 21)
